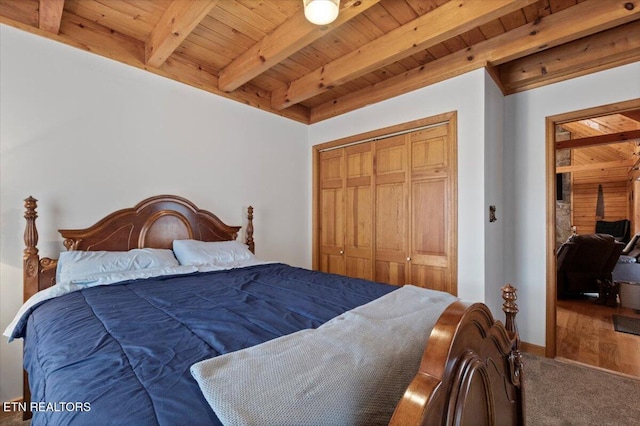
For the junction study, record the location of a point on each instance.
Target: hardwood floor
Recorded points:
(585, 334)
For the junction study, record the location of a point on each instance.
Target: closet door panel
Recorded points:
(390, 272)
(429, 248)
(432, 210)
(391, 156)
(428, 218)
(359, 160)
(358, 231)
(332, 223)
(390, 223)
(430, 277)
(391, 208)
(359, 211)
(332, 231)
(332, 263)
(359, 267)
(429, 150)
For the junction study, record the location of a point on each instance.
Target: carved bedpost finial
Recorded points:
(30, 232)
(510, 307)
(249, 233)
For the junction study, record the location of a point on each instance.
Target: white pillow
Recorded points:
(78, 265)
(198, 253)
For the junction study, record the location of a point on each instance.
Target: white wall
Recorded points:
(524, 183)
(86, 135)
(494, 195)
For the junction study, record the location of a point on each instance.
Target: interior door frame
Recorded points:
(551, 123)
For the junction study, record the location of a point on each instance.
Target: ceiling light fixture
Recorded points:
(321, 12)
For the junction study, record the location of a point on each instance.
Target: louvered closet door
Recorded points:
(431, 259)
(391, 209)
(332, 223)
(359, 211)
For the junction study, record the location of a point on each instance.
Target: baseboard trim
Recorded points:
(532, 349)
(595, 367)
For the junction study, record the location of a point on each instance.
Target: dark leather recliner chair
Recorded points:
(583, 261)
(620, 229)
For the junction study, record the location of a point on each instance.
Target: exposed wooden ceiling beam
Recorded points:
(633, 114)
(607, 139)
(444, 22)
(595, 126)
(180, 18)
(612, 46)
(50, 15)
(588, 17)
(605, 165)
(284, 41)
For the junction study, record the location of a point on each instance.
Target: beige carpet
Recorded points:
(562, 393)
(13, 420)
(559, 393)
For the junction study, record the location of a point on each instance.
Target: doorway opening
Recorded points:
(593, 158)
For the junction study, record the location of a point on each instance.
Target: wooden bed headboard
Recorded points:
(154, 222)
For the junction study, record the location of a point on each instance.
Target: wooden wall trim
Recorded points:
(362, 137)
(532, 349)
(550, 317)
(315, 205)
(615, 108)
(453, 135)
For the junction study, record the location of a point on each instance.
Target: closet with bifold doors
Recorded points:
(385, 205)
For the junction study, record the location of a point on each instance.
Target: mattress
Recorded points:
(121, 353)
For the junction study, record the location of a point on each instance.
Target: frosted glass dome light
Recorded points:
(321, 12)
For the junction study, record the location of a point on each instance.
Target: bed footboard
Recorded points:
(471, 370)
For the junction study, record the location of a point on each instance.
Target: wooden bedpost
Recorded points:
(249, 233)
(31, 272)
(31, 260)
(510, 309)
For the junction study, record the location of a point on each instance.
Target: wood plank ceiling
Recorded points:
(603, 149)
(265, 54)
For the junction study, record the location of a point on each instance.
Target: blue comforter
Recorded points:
(125, 349)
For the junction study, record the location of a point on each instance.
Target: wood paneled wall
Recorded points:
(584, 198)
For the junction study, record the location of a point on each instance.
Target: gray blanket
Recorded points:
(351, 370)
